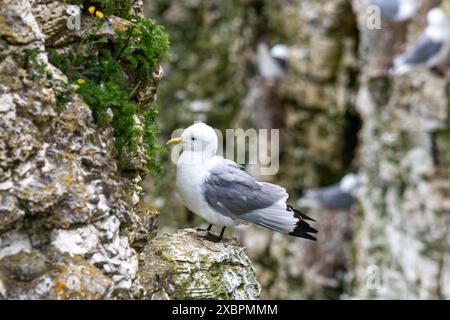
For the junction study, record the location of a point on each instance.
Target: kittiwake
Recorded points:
(396, 10)
(339, 196)
(432, 47)
(222, 193)
(272, 63)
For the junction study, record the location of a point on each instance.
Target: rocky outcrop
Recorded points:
(186, 266)
(62, 198)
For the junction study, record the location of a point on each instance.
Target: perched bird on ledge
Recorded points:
(432, 47)
(396, 10)
(340, 196)
(222, 193)
(272, 63)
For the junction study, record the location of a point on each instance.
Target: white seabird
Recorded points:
(432, 47)
(339, 196)
(222, 193)
(271, 63)
(396, 10)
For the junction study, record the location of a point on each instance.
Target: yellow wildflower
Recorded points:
(100, 14)
(81, 81)
(91, 9)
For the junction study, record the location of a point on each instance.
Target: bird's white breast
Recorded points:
(191, 173)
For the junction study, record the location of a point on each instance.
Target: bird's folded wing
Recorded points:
(332, 197)
(233, 192)
(424, 49)
(388, 8)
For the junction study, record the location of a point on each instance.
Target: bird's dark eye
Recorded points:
(193, 139)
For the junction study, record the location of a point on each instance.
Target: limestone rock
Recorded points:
(186, 266)
(31, 275)
(63, 206)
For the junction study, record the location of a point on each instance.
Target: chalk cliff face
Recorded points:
(72, 224)
(402, 242)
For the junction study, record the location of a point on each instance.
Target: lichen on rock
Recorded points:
(186, 266)
(61, 190)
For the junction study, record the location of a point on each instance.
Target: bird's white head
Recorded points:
(437, 17)
(350, 183)
(438, 27)
(280, 51)
(199, 137)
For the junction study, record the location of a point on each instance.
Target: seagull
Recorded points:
(432, 47)
(272, 63)
(339, 196)
(396, 10)
(280, 52)
(221, 192)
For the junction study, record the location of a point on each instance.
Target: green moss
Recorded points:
(109, 72)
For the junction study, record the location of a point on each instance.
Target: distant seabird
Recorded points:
(280, 52)
(339, 196)
(432, 47)
(222, 193)
(396, 10)
(272, 63)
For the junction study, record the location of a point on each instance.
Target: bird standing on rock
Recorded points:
(432, 47)
(222, 193)
(396, 10)
(340, 196)
(272, 63)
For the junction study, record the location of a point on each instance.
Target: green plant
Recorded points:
(108, 73)
(118, 8)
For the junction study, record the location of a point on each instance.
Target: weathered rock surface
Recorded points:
(186, 266)
(71, 223)
(402, 242)
(61, 191)
(31, 275)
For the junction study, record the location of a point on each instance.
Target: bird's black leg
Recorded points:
(213, 238)
(207, 229)
(221, 233)
(438, 72)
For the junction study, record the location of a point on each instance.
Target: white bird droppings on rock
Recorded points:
(6, 102)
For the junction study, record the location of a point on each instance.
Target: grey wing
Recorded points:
(233, 192)
(388, 8)
(331, 197)
(424, 50)
(336, 199)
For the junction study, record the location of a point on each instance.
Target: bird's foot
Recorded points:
(212, 237)
(438, 72)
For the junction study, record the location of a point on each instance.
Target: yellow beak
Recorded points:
(174, 141)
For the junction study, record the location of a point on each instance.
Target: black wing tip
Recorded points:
(302, 228)
(302, 234)
(302, 215)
